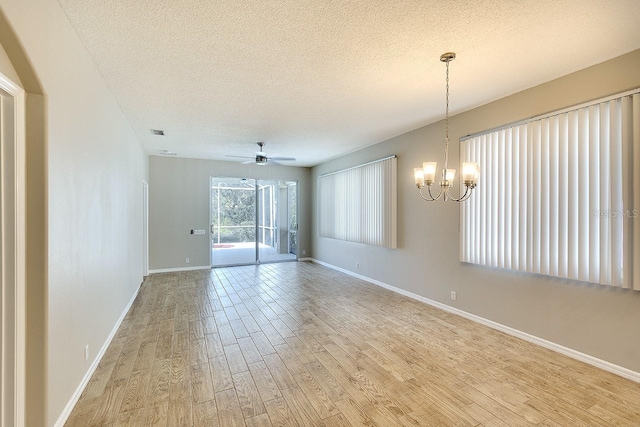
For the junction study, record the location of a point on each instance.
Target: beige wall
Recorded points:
(179, 201)
(599, 321)
(7, 69)
(84, 195)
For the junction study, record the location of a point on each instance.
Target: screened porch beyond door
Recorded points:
(252, 221)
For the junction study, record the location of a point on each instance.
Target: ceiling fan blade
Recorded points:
(248, 162)
(271, 162)
(240, 157)
(282, 158)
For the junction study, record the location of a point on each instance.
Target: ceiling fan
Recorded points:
(262, 158)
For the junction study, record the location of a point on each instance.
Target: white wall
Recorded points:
(94, 171)
(599, 321)
(179, 196)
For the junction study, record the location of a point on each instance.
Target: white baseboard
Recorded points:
(306, 259)
(574, 354)
(74, 399)
(171, 270)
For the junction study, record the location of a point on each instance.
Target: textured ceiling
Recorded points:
(316, 79)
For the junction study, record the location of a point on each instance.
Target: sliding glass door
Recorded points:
(253, 221)
(274, 208)
(233, 221)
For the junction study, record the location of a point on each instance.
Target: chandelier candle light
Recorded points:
(427, 173)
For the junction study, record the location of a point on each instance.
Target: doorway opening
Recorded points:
(145, 229)
(253, 221)
(12, 253)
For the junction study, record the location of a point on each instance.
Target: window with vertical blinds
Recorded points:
(559, 195)
(359, 204)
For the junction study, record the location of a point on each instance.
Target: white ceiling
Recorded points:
(316, 79)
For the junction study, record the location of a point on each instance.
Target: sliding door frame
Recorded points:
(257, 260)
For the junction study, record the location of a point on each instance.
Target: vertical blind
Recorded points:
(359, 204)
(559, 195)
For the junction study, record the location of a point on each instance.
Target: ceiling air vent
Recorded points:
(166, 153)
(157, 132)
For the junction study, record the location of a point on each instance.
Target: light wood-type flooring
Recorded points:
(297, 344)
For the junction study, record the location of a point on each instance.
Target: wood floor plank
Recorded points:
(262, 343)
(179, 412)
(180, 368)
(98, 381)
(214, 345)
(201, 383)
(296, 344)
(205, 414)
(124, 364)
(136, 391)
(209, 325)
(264, 381)
(160, 380)
(355, 414)
(181, 341)
(156, 413)
(226, 335)
(318, 398)
(290, 358)
(108, 408)
(198, 352)
(229, 411)
(250, 324)
(328, 383)
(164, 348)
(300, 406)
(239, 330)
(249, 350)
(262, 420)
(220, 373)
(248, 396)
(235, 359)
(146, 356)
(281, 414)
(196, 330)
(133, 418)
(279, 371)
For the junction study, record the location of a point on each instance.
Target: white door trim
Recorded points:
(13, 280)
(145, 228)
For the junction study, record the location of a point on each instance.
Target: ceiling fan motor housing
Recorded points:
(261, 159)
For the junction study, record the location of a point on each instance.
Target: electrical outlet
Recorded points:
(304, 252)
(454, 296)
(357, 266)
(186, 260)
(86, 352)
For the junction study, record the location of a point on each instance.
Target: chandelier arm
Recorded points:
(439, 194)
(431, 198)
(424, 198)
(465, 195)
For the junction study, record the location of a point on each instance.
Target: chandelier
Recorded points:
(427, 173)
